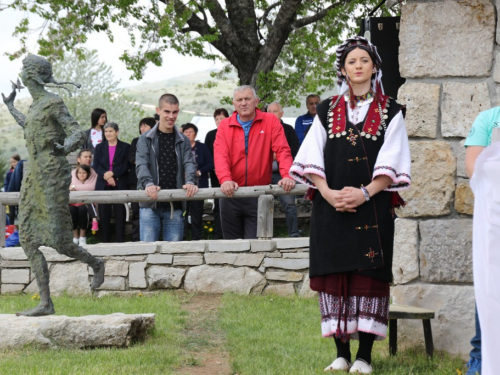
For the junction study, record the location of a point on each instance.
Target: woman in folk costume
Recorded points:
(356, 155)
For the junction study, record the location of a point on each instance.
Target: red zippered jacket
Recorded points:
(253, 167)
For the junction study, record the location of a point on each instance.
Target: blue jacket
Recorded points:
(16, 178)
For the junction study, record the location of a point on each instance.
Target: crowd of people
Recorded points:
(352, 151)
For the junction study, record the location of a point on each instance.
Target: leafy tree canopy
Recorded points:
(285, 48)
(98, 90)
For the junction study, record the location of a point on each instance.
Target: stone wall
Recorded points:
(242, 266)
(450, 58)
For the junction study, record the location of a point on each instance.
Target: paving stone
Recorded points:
(210, 279)
(188, 260)
(229, 245)
(113, 283)
(296, 255)
(70, 278)
(159, 259)
(11, 288)
(280, 289)
(446, 250)
(16, 276)
(405, 265)
(161, 277)
(137, 275)
(429, 34)
(284, 276)
(289, 264)
(422, 108)
(262, 245)
(291, 243)
(220, 258)
(122, 249)
(251, 260)
(183, 247)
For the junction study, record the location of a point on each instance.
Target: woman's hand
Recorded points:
(350, 199)
(111, 181)
(108, 175)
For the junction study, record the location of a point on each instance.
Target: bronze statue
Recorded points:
(44, 219)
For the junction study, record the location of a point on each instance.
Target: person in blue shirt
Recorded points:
(304, 122)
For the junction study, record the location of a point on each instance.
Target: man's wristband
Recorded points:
(365, 193)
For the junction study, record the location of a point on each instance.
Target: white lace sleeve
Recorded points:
(394, 157)
(310, 158)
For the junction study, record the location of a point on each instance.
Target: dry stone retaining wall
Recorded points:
(450, 57)
(241, 266)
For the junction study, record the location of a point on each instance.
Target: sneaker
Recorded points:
(474, 367)
(82, 241)
(340, 364)
(75, 241)
(360, 367)
(95, 226)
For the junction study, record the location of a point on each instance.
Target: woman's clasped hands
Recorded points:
(345, 200)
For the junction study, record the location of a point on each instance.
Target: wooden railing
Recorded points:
(265, 194)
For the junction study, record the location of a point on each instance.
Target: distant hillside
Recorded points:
(193, 102)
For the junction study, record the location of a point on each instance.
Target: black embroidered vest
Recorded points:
(361, 242)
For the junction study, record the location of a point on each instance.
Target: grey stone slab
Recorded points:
(275, 254)
(230, 246)
(159, 259)
(11, 288)
(280, 289)
(284, 276)
(188, 260)
(292, 243)
(161, 277)
(115, 330)
(133, 258)
(15, 264)
(183, 247)
(299, 255)
(433, 180)
(422, 108)
(454, 321)
(70, 278)
(250, 260)
(461, 104)
(459, 151)
(220, 258)
(262, 245)
(12, 253)
(128, 248)
(137, 275)
(289, 264)
(210, 279)
(115, 268)
(16, 276)
(429, 34)
(305, 289)
(446, 250)
(113, 283)
(405, 265)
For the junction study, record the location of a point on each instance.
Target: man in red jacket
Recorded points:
(243, 155)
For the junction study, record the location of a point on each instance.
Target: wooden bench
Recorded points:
(409, 312)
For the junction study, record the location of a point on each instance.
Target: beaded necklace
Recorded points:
(361, 100)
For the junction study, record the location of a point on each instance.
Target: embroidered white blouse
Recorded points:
(393, 159)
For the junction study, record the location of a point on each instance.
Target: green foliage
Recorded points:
(4, 167)
(285, 48)
(99, 90)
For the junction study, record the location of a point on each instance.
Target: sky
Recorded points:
(174, 65)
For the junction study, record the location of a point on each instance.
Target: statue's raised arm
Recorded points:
(9, 102)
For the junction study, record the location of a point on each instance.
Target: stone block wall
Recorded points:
(242, 266)
(450, 57)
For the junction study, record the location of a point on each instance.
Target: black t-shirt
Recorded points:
(167, 163)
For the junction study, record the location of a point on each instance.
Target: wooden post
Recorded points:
(393, 336)
(265, 217)
(3, 222)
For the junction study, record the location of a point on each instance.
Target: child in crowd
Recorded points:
(82, 180)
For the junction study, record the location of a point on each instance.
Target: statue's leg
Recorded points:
(74, 251)
(41, 270)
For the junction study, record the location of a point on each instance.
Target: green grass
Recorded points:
(276, 335)
(161, 353)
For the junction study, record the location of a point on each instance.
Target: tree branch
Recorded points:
(264, 18)
(318, 16)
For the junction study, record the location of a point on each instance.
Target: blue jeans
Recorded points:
(476, 340)
(151, 222)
